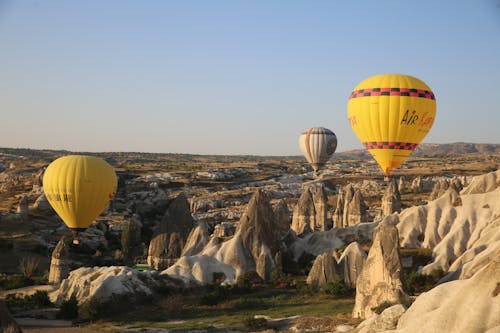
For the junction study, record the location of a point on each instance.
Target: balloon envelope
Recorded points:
(79, 188)
(317, 144)
(391, 114)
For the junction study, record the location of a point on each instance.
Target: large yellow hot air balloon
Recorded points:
(317, 144)
(391, 114)
(79, 188)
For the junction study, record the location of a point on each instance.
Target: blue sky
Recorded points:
(235, 77)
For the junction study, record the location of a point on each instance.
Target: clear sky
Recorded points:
(235, 77)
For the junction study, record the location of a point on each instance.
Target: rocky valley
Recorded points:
(253, 243)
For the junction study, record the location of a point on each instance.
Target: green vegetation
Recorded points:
(234, 308)
(68, 309)
(37, 300)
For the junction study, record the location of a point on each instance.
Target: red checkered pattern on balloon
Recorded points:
(390, 145)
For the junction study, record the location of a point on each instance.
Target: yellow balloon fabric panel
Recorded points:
(391, 114)
(79, 188)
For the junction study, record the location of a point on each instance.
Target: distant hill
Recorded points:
(423, 150)
(431, 150)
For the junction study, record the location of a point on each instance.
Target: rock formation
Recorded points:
(22, 208)
(391, 201)
(43, 207)
(197, 239)
(59, 264)
(282, 217)
(416, 185)
(105, 283)
(402, 185)
(319, 242)
(322, 271)
(224, 229)
(351, 208)
(384, 322)
(380, 279)
(470, 305)
(310, 213)
(254, 247)
(351, 263)
(168, 242)
(462, 230)
(442, 185)
(131, 239)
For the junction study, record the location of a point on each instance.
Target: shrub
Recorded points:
(15, 281)
(93, 309)
(172, 305)
(381, 307)
(41, 298)
(337, 288)
(254, 323)
(216, 296)
(68, 309)
(28, 266)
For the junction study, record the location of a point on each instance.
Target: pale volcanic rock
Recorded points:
(42, 206)
(224, 229)
(482, 184)
(380, 279)
(168, 242)
(461, 230)
(196, 240)
(282, 216)
(255, 244)
(322, 271)
(328, 241)
(471, 305)
(60, 262)
(351, 208)
(311, 212)
(104, 283)
(391, 201)
(22, 208)
(351, 262)
(387, 320)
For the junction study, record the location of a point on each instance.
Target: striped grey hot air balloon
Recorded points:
(317, 144)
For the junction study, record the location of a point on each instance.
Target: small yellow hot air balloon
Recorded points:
(79, 188)
(391, 114)
(317, 144)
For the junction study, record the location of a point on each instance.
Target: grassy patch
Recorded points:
(186, 312)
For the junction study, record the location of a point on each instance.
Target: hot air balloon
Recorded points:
(391, 114)
(317, 144)
(79, 188)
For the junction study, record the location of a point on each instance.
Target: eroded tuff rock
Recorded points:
(224, 229)
(322, 271)
(22, 208)
(42, 206)
(282, 216)
(351, 208)
(60, 262)
(311, 211)
(104, 283)
(254, 247)
(462, 230)
(168, 242)
(380, 279)
(197, 239)
(351, 263)
(442, 185)
(391, 201)
(387, 320)
(471, 305)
